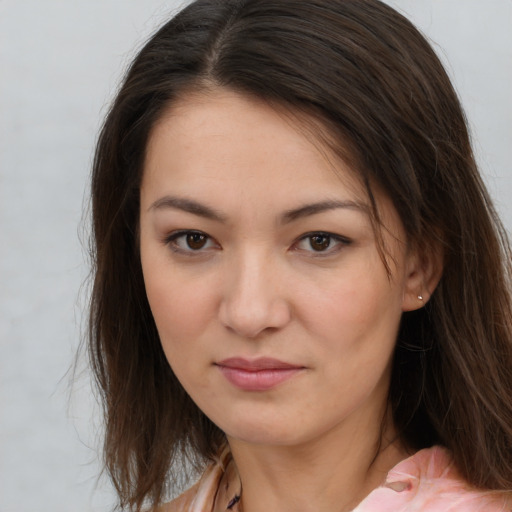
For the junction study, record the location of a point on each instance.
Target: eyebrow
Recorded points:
(188, 205)
(320, 207)
(196, 208)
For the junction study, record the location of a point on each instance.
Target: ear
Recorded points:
(424, 269)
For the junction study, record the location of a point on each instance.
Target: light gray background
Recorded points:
(60, 62)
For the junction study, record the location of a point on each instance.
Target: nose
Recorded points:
(253, 299)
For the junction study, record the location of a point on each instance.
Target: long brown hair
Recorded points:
(370, 78)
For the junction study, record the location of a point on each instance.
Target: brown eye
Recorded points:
(191, 243)
(320, 242)
(196, 241)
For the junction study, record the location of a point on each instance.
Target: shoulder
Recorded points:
(429, 482)
(183, 503)
(201, 496)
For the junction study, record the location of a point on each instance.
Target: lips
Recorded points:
(258, 374)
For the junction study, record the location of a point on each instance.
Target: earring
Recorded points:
(420, 297)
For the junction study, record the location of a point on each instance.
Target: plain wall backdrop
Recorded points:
(60, 62)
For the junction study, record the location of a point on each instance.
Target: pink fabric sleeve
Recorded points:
(429, 482)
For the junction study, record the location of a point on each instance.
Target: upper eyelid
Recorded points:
(326, 233)
(340, 238)
(180, 232)
(174, 235)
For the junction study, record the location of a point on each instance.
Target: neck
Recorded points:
(332, 474)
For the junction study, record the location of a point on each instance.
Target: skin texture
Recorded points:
(258, 281)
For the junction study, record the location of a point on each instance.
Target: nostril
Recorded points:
(250, 319)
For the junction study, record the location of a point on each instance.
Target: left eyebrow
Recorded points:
(323, 206)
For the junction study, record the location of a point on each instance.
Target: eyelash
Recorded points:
(340, 241)
(173, 238)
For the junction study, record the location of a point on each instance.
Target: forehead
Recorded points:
(224, 136)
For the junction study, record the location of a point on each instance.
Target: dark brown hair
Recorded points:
(370, 78)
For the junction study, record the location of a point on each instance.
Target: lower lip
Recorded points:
(260, 380)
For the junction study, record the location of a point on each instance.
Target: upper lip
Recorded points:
(254, 365)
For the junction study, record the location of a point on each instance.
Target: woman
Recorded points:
(301, 286)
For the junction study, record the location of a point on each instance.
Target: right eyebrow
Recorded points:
(189, 206)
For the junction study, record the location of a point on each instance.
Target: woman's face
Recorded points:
(263, 273)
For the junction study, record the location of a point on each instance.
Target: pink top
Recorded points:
(425, 482)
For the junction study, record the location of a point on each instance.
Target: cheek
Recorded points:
(359, 308)
(183, 309)
(179, 308)
(181, 305)
(183, 313)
